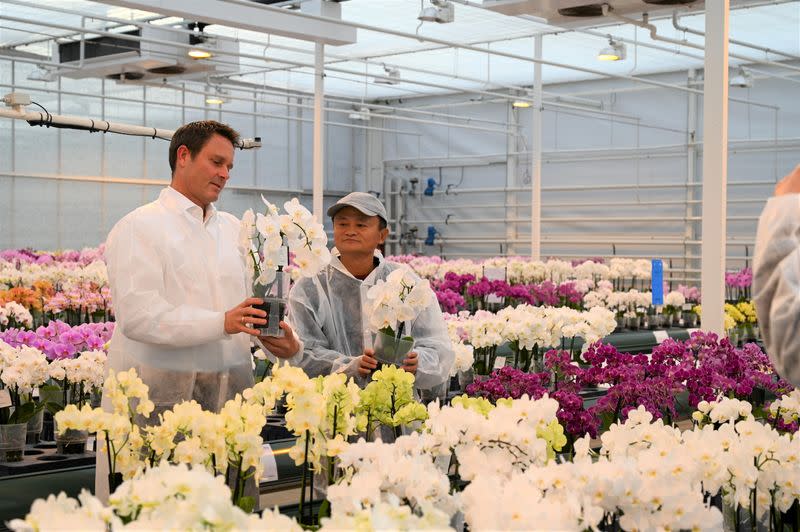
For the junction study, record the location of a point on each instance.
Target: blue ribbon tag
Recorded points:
(657, 282)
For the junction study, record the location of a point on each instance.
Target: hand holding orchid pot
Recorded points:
(393, 303)
(267, 239)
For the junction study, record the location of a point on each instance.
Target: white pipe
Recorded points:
(186, 106)
(676, 24)
(656, 37)
(574, 219)
(552, 205)
(162, 183)
(536, 155)
(318, 146)
(96, 125)
(626, 186)
(414, 36)
(715, 165)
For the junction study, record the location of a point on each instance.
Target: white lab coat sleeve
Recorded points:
(776, 283)
(135, 270)
(434, 350)
(317, 357)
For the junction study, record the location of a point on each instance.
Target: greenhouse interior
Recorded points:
(457, 265)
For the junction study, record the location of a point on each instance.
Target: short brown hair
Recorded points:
(194, 136)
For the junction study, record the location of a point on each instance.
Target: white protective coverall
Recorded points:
(327, 314)
(173, 276)
(776, 283)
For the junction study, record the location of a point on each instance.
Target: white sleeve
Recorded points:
(135, 272)
(776, 283)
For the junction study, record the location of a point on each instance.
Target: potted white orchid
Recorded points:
(393, 303)
(21, 371)
(267, 239)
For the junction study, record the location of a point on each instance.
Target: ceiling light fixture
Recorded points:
(615, 51)
(743, 79)
(197, 53)
(442, 11)
(521, 104)
(392, 76)
(216, 95)
(361, 114)
(43, 73)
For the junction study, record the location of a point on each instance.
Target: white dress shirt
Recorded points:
(173, 274)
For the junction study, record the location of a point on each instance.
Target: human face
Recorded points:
(356, 233)
(201, 178)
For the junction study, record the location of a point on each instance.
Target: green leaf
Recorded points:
(247, 504)
(23, 413)
(52, 407)
(324, 510)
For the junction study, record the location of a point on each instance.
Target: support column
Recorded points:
(536, 155)
(319, 128)
(715, 165)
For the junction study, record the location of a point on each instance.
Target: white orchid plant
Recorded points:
(398, 299)
(266, 237)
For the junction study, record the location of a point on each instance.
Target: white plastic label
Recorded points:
(687, 307)
(269, 464)
(283, 256)
(660, 336)
(494, 274)
(499, 362)
(5, 398)
(690, 331)
(90, 443)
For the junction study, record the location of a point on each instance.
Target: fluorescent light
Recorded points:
(214, 100)
(197, 53)
(519, 104)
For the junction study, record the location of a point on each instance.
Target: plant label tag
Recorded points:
(269, 464)
(660, 336)
(687, 307)
(499, 362)
(657, 282)
(283, 256)
(494, 274)
(5, 398)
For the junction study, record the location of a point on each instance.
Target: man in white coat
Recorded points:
(328, 311)
(776, 277)
(180, 285)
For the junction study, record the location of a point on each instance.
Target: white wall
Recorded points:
(40, 211)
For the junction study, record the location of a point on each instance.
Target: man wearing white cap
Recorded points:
(328, 311)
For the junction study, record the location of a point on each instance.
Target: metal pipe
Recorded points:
(575, 219)
(263, 58)
(536, 156)
(599, 187)
(654, 36)
(163, 183)
(499, 53)
(686, 29)
(605, 204)
(318, 161)
(267, 115)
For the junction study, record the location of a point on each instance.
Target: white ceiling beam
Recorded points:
(256, 17)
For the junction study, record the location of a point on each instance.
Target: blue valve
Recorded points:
(432, 232)
(431, 185)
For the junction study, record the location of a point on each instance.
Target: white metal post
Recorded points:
(319, 95)
(715, 165)
(536, 155)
